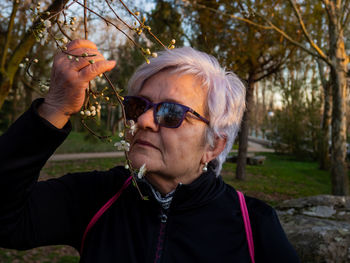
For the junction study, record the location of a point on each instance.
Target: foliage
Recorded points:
(295, 127)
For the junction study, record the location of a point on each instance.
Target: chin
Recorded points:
(137, 160)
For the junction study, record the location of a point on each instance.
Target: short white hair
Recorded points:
(226, 92)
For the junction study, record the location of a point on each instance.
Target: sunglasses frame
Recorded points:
(150, 105)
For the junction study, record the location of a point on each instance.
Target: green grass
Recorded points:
(281, 177)
(77, 142)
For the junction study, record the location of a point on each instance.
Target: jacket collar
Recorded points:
(188, 196)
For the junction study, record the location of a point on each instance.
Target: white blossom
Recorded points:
(132, 127)
(122, 145)
(142, 171)
(47, 23)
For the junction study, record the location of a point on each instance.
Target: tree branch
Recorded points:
(296, 43)
(345, 20)
(232, 16)
(272, 26)
(8, 34)
(306, 34)
(29, 40)
(108, 22)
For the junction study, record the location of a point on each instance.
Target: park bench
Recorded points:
(251, 159)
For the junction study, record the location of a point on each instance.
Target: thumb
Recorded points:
(93, 70)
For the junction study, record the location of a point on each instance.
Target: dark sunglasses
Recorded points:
(166, 114)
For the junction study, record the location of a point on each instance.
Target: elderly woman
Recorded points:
(188, 111)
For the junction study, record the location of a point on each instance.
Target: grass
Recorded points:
(281, 177)
(77, 142)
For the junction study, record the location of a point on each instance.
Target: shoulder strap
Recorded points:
(102, 210)
(247, 227)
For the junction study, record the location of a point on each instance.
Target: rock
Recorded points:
(318, 227)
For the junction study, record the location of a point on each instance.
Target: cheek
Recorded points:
(184, 145)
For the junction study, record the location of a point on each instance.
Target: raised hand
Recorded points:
(70, 78)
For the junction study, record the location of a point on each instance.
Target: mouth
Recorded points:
(144, 143)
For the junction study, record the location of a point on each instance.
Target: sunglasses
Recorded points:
(166, 114)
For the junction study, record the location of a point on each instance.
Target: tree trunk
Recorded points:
(339, 60)
(324, 159)
(5, 86)
(340, 180)
(243, 134)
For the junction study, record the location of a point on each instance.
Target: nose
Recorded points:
(146, 121)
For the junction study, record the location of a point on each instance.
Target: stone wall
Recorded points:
(318, 227)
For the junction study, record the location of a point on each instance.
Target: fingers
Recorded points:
(80, 43)
(85, 61)
(87, 70)
(92, 71)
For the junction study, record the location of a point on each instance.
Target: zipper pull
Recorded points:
(163, 217)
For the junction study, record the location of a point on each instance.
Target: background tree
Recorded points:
(332, 52)
(243, 48)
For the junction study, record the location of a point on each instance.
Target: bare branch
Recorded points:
(142, 24)
(232, 16)
(291, 40)
(109, 22)
(62, 31)
(86, 31)
(28, 40)
(305, 32)
(121, 20)
(345, 16)
(272, 26)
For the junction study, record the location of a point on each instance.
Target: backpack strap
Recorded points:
(247, 227)
(102, 210)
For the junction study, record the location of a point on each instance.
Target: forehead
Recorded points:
(182, 88)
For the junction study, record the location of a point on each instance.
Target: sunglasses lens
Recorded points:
(134, 107)
(169, 115)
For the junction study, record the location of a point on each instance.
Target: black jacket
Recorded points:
(203, 224)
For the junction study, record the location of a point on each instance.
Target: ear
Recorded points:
(212, 152)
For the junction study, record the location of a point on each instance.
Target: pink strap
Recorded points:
(102, 210)
(247, 227)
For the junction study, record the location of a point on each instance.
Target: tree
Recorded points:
(245, 49)
(337, 14)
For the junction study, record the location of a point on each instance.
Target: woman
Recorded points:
(188, 111)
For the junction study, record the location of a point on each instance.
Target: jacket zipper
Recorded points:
(161, 235)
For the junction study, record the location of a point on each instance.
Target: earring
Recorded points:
(205, 168)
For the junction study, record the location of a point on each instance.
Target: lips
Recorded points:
(145, 143)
